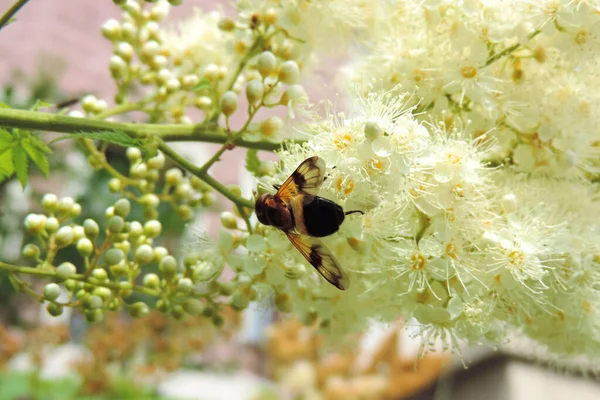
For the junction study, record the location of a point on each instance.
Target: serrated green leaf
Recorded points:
(36, 154)
(203, 84)
(20, 163)
(39, 143)
(6, 162)
(116, 137)
(5, 136)
(253, 162)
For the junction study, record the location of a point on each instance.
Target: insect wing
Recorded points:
(319, 256)
(306, 179)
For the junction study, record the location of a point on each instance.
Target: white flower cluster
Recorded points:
(525, 71)
(469, 251)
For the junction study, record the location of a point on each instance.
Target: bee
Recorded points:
(304, 217)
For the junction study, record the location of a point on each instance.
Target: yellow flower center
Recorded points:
(468, 72)
(342, 141)
(417, 262)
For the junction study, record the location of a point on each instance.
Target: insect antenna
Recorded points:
(354, 211)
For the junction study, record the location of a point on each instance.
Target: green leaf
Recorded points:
(6, 162)
(21, 163)
(5, 137)
(116, 137)
(203, 84)
(37, 154)
(39, 144)
(253, 162)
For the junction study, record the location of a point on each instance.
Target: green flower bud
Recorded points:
(111, 29)
(119, 270)
(93, 302)
(75, 211)
(159, 253)
(185, 286)
(135, 229)
(193, 306)
(152, 228)
(149, 200)
(113, 256)
(143, 254)
(100, 274)
(177, 312)
(122, 208)
(31, 251)
(114, 185)
(51, 291)
(254, 91)
(51, 225)
(66, 269)
(372, 129)
(91, 229)
(217, 320)
(183, 190)
(168, 267)
(64, 237)
(138, 309)
(34, 223)
(229, 103)
(184, 212)
(226, 288)
(156, 162)
(109, 212)
(151, 281)
(133, 154)
(266, 63)
(66, 204)
(226, 24)
(125, 288)
(49, 203)
(208, 312)
(85, 247)
(114, 305)
(228, 220)
(116, 224)
(163, 305)
(71, 285)
(270, 16)
(239, 301)
(173, 176)
(94, 315)
(102, 292)
(138, 170)
(78, 233)
(209, 199)
(289, 72)
(54, 309)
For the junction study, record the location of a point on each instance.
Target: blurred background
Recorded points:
(55, 52)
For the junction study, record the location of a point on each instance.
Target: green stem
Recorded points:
(508, 50)
(11, 12)
(200, 173)
(49, 273)
(204, 132)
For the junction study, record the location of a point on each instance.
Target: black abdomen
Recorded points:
(322, 217)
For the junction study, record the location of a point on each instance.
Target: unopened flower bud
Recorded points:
(91, 229)
(34, 223)
(151, 281)
(139, 309)
(168, 266)
(64, 237)
(289, 72)
(271, 127)
(144, 254)
(66, 269)
(113, 256)
(116, 224)
(152, 228)
(51, 225)
(270, 16)
(111, 29)
(125, 50)
(254, 91)
(228, 220)
(173, 176)
(229, 103)
(226, 24)
(266, 63)
(51, 291)
(49, 202)
(31, 251)
(85, 247)
(185, 285)
(54, 309)
(100, 274)
(372, 129)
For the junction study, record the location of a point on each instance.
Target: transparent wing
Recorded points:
(306, 179)
(319, 256)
